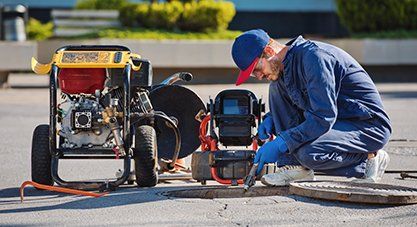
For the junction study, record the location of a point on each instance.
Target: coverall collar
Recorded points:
(291, 44)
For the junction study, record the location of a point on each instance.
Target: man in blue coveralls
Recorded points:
(325, 111)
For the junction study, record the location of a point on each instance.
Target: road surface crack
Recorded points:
(224, 207)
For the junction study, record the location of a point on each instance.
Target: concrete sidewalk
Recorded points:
(22, 109)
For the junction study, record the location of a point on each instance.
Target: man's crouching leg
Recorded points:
(312, 159)
(350, 149)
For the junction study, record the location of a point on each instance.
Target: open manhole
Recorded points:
(355, 192)
(211, 192)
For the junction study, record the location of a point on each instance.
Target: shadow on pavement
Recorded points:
(30, 192)
(120, 197)
(328, 203)
(12, 196)
(132, 195)
(125, 195)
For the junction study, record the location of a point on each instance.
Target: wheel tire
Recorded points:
(41, 156)
(145, 155)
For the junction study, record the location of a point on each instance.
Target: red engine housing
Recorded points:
(81, 80)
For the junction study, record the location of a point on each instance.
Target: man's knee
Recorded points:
(310, 157)
(386, 135)
(380, 138)
(317, 157)
(322, 156)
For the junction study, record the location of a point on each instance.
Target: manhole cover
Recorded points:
(227, 192)
(355, 192)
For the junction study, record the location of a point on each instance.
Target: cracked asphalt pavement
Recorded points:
(22, 109)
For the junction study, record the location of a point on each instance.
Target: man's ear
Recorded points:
(269, 51)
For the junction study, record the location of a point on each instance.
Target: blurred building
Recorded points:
(281, 18)
(289, 18)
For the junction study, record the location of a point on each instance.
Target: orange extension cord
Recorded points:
(57, 189)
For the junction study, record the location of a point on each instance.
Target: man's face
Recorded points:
(266, 69)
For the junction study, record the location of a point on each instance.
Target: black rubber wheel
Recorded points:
(41, 157)
(145, 155)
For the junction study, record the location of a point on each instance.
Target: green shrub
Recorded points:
(207, 15)
(128, 15)
(155, 15)
(159, 34)
(38, 31)
(101, 4)
(377, 15)
(142, 14)
(164, 15)
(200, 16)
(85, 4)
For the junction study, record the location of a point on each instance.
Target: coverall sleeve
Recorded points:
(318, 74)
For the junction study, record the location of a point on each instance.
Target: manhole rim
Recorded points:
(298, 188)
(213, 194)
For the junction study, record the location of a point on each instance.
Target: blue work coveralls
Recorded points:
(327, 110)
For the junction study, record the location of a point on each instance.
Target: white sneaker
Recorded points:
(287, 174)
(375, 168)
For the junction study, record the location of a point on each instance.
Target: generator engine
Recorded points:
(82, 123)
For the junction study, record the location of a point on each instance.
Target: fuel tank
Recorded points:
(81, 80)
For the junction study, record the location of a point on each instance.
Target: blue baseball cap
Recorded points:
(246, 51)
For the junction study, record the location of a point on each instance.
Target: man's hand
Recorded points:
(269, 152)
(266, 128)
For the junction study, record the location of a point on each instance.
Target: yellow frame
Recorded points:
(86, 59)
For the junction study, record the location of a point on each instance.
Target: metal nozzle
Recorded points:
(184, 76)
(246, 187)
(250, 179)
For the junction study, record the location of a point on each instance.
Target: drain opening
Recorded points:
(227, 192)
